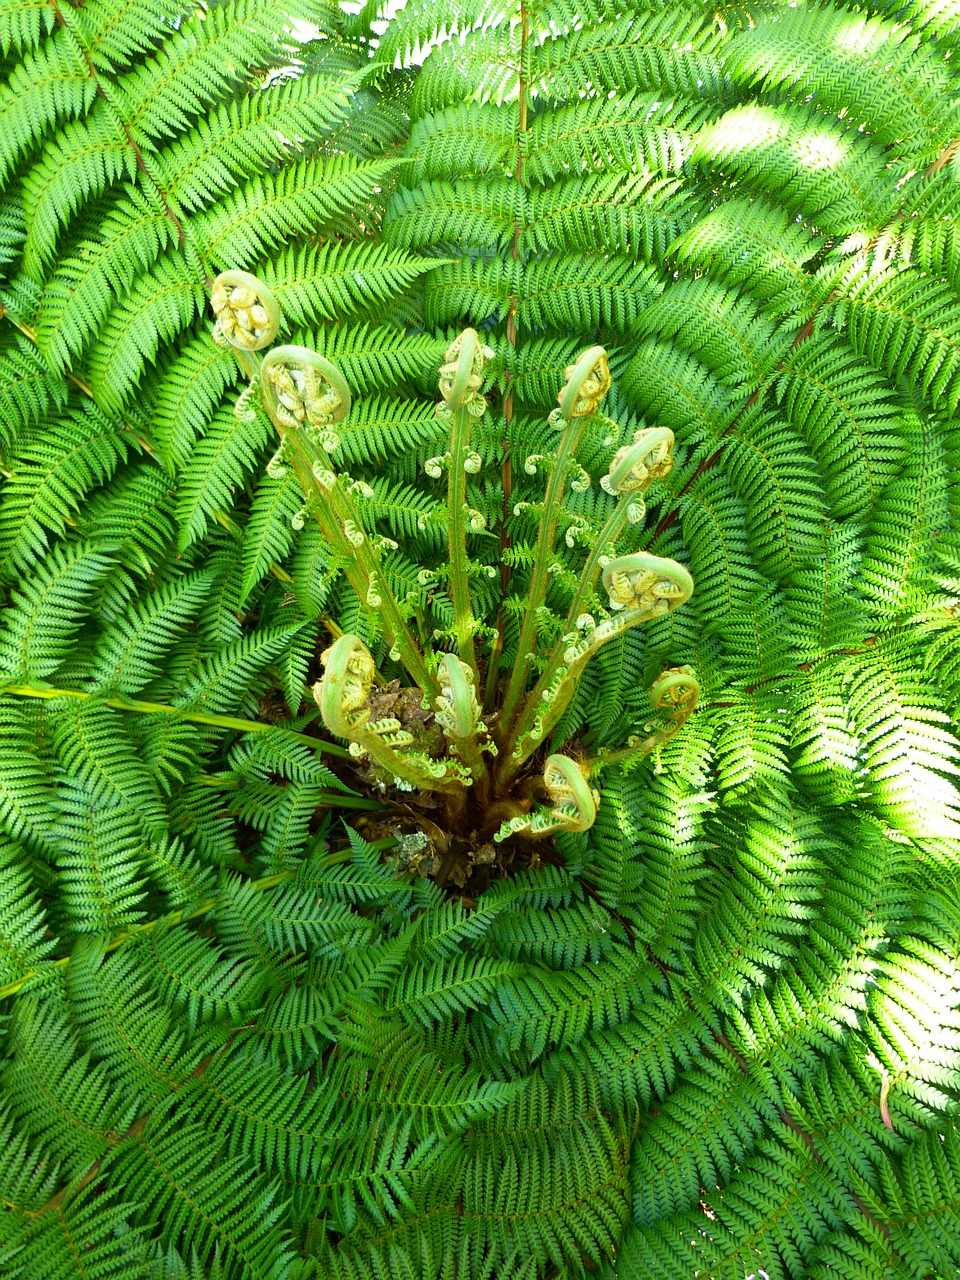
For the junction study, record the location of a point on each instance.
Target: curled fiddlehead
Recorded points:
(587, 382)
(674, 694)
(573, 802)
(248, 316)
(343, 695)
(300, 388)
(461, 376)
(635, 467)
(646, 586)
(457, 708)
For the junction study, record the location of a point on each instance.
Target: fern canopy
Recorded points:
(716, 1034)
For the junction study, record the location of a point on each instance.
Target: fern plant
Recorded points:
(270, 1013)
(305, 396)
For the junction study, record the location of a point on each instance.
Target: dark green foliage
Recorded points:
(718, 1034)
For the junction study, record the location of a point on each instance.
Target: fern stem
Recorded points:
(195, 717)
(324, 799)
(335, 511)
(537, 591)
(464, 621)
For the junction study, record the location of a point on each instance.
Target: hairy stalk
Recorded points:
(460, 381)
(305, 396)
(632, 471)
(588, 380)
(641, 588)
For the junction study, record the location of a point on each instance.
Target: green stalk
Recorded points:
(537, 590)
(195, 717)
(336, 513)
(464, 621)
(559, 679)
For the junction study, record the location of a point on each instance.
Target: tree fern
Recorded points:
(517, 960)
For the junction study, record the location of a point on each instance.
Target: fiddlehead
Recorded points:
(587, 382)
(646, 586)
(302, 389)
(248, 316)
(635, 467)
(461, 377)
(573, 802)
(343, 696)
(674, 694)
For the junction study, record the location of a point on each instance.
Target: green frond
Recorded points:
(635, 133)
(62, 1098)
(118, 248)
(27, 808)
(757, 246)
(53, 472)
(47, 610)
(471, 139)
(269, 532)
(23, 25)
(218, 463)
(192, 1190)
(50, 84)
(110, 1247)
(775, 477)
(465, 214)
(157, 307)
(28, 391)
(371, 357)
(99, 859)
(378, 428)
(634, 215)
(86, 158)
(832, 178)
(201, 63)
(95, 752)
(907, 325)
(125, 1027)
(129, 654)
(440, 990)
(25, 941)
(905, 742)
(542, 1009)
(224, 680)
(113, 30)
(854, 63)
(267, 211)
(339, 280)
(242, 137)
(666, 52)
(134, 515)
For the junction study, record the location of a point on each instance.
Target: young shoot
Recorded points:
(487, 689)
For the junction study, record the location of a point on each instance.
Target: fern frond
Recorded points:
(128, 655)
(47, 611)
(26, 940)
(191, 1187)
(53, 473)
(220, 461)
(28, 391)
